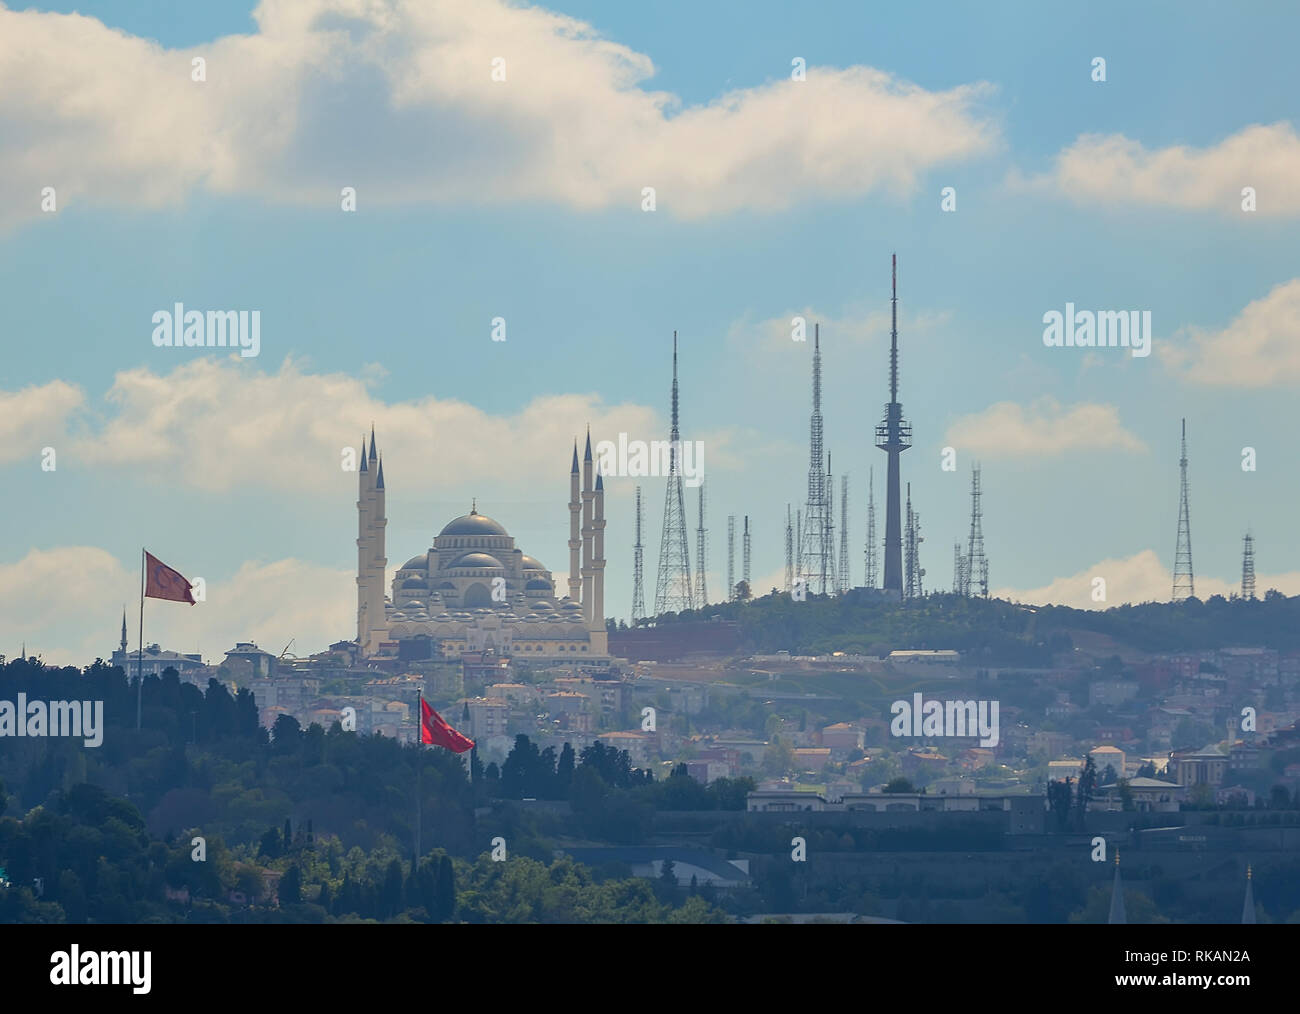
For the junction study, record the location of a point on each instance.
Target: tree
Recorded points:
(1109, 777)
(1084, 794)
(291, 886)
(899, 784)
(446, 889)
(1147, 770)
(271, 845)
(1059, 796)
(1125, 794)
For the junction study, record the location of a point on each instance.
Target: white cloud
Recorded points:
(67, 603)
(397, 100)
(1043, 429)
(36, 417)
(1134, 579)
(218, 424)
(1113, 169)
(1260, 348)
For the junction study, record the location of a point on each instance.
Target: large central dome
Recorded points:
(473, 523)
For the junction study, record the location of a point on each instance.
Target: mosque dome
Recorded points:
(420, 562)
(473, 523)
(531, 563)
(479, 561)
(415, 605)
(415, 582)
(537, 584)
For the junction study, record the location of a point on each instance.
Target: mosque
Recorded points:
(473, 589)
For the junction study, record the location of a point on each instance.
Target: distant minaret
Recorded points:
(575, 522)
(638, 557)
(588, 531)
(673, 591)
(599, 635)
(1247, 567)
(372, 564)
(123, 631)
(1248, 906)
(701, 588)
(893, 436)
(1184, 582)
(1117, 897)
(871, 577)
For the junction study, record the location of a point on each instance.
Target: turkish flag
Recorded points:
(161, 582)
(435, 730)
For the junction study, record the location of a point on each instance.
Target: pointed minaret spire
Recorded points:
(373, 455)
(1248, 907)
(587, 454)
(1117, 897)
(574, 470)
(124, 628)
(363, 453)
(379, 483)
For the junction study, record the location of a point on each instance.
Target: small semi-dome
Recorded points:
(414, 605)
(542, 606)
(414, 583)
(531, 563)
(420, 562)
(537, 584)
(473, 523)
(478, 561)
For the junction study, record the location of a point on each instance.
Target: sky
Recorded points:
(791, 150)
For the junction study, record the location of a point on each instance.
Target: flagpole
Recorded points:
(419, 747)
(139, 664)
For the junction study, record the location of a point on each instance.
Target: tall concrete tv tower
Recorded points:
(893, 436)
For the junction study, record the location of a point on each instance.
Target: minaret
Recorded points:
(375, 610)
(124, 631)
(575, 539)
(588, 496)
(1248, 906)
(363, 547)
(599, 637)
(893, 436)
(1117, 897)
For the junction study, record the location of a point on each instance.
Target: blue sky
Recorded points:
(524, 202)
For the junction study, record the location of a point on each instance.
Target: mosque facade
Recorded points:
(474, 589)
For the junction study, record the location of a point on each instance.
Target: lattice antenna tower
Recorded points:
(909, 549)
(958, 570)
(871, 576)
(638, 566)
(1184, 581)
(846, 582)
(701, 587)
(977, 564)
(789, 550)
(815, 559)
(673, 591)
(828, 542)
(731, 558)
(1248, 567)
(746, 556)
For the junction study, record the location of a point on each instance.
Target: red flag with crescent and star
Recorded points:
(161, 582)
(435, 730)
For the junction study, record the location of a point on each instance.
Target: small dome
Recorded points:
(542, 606)
(532, 564)
(473, 524)
(537, 584)
(414, 605)
(415, 583)
(478, 561)
(420, 562)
